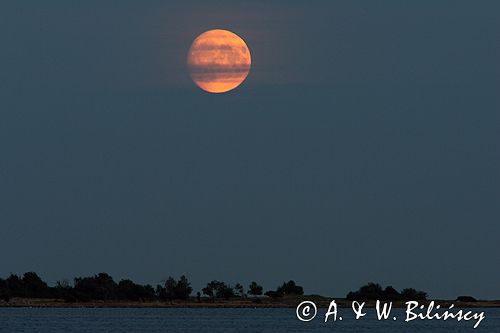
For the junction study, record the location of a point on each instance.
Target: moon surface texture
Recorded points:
(218, 61)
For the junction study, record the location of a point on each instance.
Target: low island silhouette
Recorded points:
(101, 290)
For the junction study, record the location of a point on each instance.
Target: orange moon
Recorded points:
(218, 61)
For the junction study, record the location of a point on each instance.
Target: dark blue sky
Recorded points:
(364, 145)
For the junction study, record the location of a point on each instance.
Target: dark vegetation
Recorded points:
(286, 289)
(374, 291)
(467, 299)
(97, 287)
(102, 287)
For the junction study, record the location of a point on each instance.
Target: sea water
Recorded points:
(52, 320)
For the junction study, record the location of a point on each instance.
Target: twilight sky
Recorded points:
(363, 146)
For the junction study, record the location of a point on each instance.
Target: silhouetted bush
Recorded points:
(273, 294)
(468, 299)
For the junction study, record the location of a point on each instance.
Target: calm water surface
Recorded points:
(217, 320)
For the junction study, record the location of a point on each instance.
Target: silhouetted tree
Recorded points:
(225, 291)
(391, 294)
(63, 284)
(183, 288)
(170, 286)
(64, 290)
(150, 292)
(374, 291)
(98, 287)
(218, 289)
(33, 285)
(369, 291)
(161, 292)
(15, 286)
(129, 290)
(4, 291)
(254, 289)
(211, 289)
(290, 288)
(238, 288)
(413, 295)
(180, 289)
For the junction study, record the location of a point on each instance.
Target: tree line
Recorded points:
(374, 291)
(102, 287)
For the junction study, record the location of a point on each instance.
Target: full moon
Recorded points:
(218, 61)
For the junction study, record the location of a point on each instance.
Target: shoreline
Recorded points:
(286, 302)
